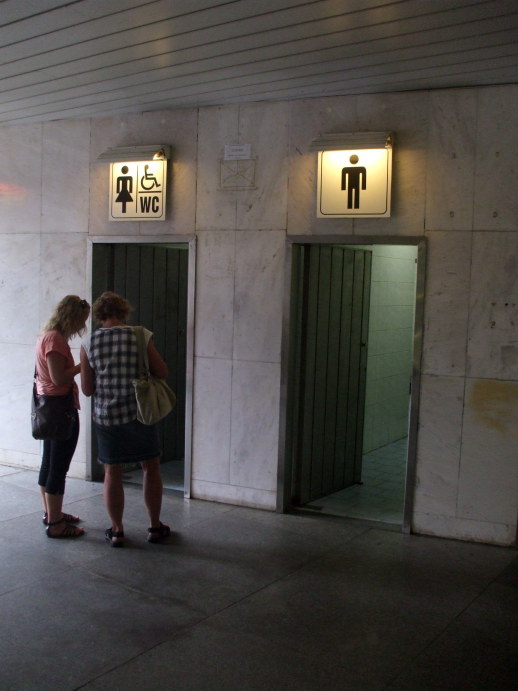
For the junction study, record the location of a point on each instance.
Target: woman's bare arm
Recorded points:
(87, 374)
(59, 374)
(157, 366)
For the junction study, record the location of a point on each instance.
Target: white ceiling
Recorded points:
(81, 58)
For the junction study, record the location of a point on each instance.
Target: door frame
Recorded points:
(190, 241)
(285, 464)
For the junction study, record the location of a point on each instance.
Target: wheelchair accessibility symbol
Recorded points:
(138, 190)
(148, 181)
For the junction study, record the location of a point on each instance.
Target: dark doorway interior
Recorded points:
(329, 338)
(349, 372)
(154, 279)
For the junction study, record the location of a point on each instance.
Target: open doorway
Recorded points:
(157, 279)
(350, 367)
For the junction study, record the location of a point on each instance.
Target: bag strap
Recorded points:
(143, 363)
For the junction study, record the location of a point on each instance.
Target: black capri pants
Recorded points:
(56, 459)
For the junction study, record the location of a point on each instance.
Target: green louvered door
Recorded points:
(330, 310)
(154, 279)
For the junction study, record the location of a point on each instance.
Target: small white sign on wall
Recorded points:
(138, 191)
(354, 183)
(234, 152)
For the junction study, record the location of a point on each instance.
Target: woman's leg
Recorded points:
(44, 500)
(153, 488)
(44, 473)
(54, 508)
(58, 456)
(113, 492)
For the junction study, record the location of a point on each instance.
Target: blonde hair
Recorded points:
(109, 305)
(68, 317)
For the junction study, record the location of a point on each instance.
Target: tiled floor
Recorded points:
(246, 600)
(381, 496)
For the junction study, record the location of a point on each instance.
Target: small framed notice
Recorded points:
(235, 152)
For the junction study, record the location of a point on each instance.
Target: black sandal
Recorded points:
(158, 534)
(67, 517)
(110, 534)
(68, 530)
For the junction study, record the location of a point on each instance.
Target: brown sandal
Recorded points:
(67, 517)
(68, 530)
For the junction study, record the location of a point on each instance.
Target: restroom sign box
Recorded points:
(138, 191)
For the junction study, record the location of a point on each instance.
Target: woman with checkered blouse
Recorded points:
(109, 364)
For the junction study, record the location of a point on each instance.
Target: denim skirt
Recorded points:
(132, 442)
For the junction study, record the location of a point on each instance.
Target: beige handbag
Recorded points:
(155, 399)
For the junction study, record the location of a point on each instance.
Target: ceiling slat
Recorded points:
(474, 49)
(272, 27)
(86, 58)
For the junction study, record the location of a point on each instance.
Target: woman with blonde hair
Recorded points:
(55, 372)
(109, 364)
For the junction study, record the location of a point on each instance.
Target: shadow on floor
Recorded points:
(245, 599)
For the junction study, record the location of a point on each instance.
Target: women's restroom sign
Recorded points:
(138, 191)
(354, 183)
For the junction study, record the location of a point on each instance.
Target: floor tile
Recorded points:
(247, 599)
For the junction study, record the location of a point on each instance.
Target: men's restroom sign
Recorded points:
(138, 191)
(355, 183)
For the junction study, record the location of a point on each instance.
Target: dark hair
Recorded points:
(69, 317)
(110, 305)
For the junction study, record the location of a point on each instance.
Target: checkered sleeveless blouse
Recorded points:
(113, 355)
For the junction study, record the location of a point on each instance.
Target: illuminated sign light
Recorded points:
(138, 181)
(354, 175)
(138, 190)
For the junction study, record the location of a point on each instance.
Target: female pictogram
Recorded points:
(124, 188)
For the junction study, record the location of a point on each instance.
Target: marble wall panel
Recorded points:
(234, 495)
(214, 315)
(496, 201)
(450, 174)
(464, 529)
(439, 445)
(255, 425)
(123, 130)
(20, 179)
(488, 479)
(15, 401)
(20, 284)
(406, 116)
(65, 178)
(493, 318)
(308, 120)
(258, 295)
(179, 129)
(448, 265)
(265, 127)
(215, 208)
(63, 270)
(470, 494)
(211, 420)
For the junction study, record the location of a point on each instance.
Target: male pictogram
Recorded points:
(352, 179)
